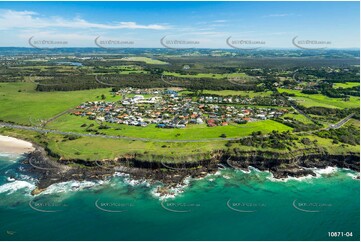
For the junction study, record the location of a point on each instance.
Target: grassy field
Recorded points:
(20, 102)
(346, 85)
(334, 148)
(309, 100)
(88, 148)
(94, 148)
(298, 117)
(145, 59)
(191, 132)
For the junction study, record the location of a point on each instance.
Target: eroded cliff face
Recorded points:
(294, 166)
(54, 170)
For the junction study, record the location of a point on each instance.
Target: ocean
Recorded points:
(228, 205)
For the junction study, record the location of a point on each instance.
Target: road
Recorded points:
(341, 122)
(287, 101)
(301, 112)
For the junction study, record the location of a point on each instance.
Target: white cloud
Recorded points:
(26, 19)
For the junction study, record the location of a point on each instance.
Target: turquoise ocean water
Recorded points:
(228, 205)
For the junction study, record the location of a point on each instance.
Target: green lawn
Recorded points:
(310, 100)
(346, 85)
(28, 106)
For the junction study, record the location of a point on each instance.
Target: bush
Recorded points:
(306, 141)
(71, 137)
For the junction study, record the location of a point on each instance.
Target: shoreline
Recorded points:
(15, 146)
(52, 170)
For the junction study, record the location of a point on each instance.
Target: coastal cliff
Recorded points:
(50, 170)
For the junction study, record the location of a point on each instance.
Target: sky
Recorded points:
(179, 24)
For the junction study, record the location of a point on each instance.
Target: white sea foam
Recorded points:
(12, 187)
(22, 169)
(218, 173)
(136, 182)
(318, 171)
(173, 191)
(244, 171)
(27, 178)
(130, 181)
(250, 170)
(69, 186)
(10, 156)
(289, 178)
(121, 174)
(188, 179)
(325, 171)
(353, 175)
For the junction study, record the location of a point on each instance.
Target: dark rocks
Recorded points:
(50, 170)
(295, 166)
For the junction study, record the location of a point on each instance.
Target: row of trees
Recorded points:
(137, 80)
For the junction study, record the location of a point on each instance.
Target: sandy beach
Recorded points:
(14, 146)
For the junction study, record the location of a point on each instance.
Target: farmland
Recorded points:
(320, 100)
